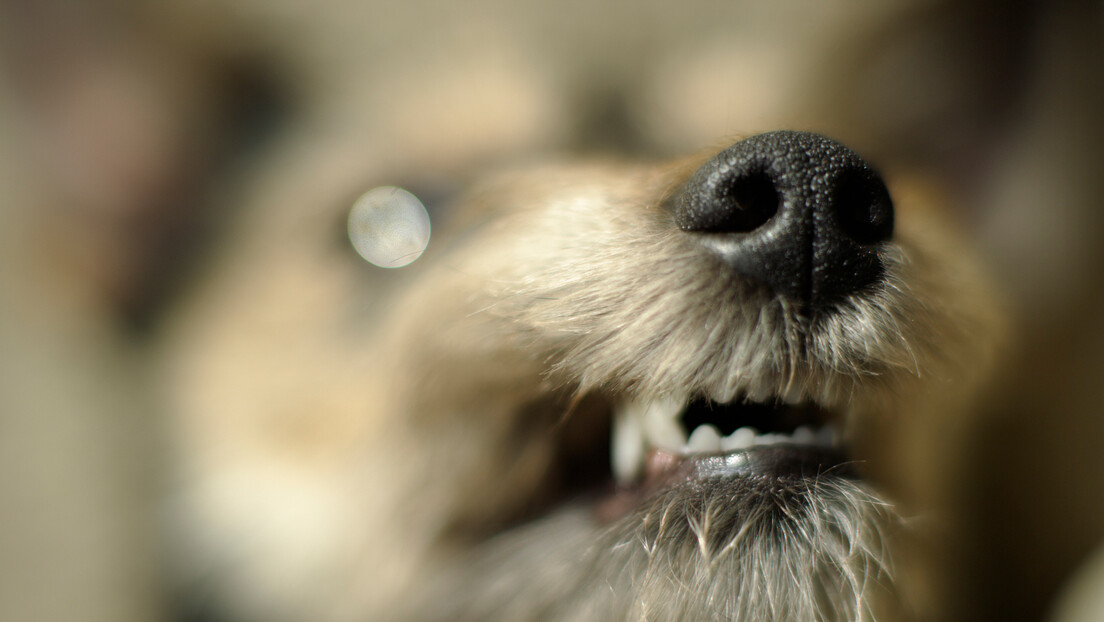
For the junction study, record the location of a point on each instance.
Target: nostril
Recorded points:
(863, 207)
(797, 212)
(733, 204)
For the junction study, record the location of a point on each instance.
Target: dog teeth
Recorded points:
(769, 439)
(627, 452)
(749, 437)
(639, 426)
(740, 439)
(661, 426)
(705, 439)
(804, 435)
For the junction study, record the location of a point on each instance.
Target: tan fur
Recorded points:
(353, 440)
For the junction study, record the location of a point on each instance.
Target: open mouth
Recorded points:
(662, 442)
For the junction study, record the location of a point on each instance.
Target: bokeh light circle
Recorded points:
(389, 227)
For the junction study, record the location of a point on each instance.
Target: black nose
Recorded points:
(802, 214)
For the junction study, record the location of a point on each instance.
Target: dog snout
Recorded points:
(798, 212)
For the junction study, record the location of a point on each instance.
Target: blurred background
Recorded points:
(136, 137)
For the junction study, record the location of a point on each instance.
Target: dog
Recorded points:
(606, 391)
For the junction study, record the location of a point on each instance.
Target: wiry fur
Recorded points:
(713, 550)
(436, 437)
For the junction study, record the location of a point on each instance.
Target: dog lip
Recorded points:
(781, 463)
(776, 461)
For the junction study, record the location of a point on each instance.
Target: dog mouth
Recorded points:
(692, 429)
(666, 442)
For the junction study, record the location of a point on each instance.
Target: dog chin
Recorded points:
(724, 536)
(734, 523)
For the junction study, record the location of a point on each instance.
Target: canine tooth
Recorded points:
(804, 435)
(705, 438)
(627, 446)
(670, 407)
(661, 428)
(741, 438)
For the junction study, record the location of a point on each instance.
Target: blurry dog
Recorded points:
(139, 134)
(607, 391)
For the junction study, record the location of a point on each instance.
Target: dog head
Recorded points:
(608, 392)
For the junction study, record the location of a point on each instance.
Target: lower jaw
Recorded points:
(781, 461)
(712, 544)
(779, 465)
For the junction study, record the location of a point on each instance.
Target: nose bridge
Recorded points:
(796, 211)
(784, 255)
